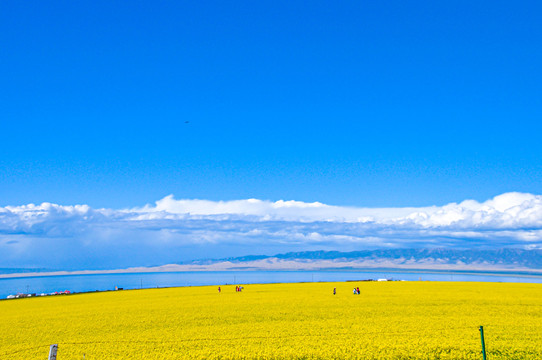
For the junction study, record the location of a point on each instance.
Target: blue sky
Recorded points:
(361, 104)
(357, 104)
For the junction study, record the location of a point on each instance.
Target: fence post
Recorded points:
(52, 351)
(483, 343)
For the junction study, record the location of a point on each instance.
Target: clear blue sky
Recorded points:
(391, 103)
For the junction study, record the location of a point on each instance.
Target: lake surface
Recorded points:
(103, 282)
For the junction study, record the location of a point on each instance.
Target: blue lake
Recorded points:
(85, 283)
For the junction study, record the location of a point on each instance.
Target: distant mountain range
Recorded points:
(437, 258)
(512, 261)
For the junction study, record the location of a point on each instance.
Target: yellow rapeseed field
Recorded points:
(389, 320)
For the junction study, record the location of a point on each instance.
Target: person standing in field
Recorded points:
(219, 289)
(334, 291)
(357, 289)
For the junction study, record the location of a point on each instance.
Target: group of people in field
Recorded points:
(355, 291)
(240, 288)
(237, 289)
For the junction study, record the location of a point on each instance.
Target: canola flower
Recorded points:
(388, 320)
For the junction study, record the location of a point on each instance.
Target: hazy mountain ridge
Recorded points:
(505, 258)
(23, 270)
(509, 260)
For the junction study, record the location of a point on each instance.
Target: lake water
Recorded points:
(85, 283)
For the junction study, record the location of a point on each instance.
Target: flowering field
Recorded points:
(388, 320)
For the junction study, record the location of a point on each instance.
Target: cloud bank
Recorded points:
(80, 237)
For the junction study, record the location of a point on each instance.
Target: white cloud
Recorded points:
(173, 230)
